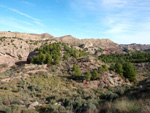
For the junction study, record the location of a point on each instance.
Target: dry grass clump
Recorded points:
(125, 106)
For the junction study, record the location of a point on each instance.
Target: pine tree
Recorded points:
(87, 76)
(129, 71)
(76, 72)
(66, 56)
(94, 75)
(119, 68)
(112, 67)
(42, 58)
(56, 59)
(105, 67)
(48, 59)
(100, 70)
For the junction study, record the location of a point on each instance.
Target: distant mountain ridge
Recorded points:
(135, 46)
(26, 36)
(100, 43)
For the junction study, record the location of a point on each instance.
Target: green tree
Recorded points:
(105, 67)
(48, 59)
(42, 58)
(76, 72)
(56, 59)
(101, 70)
(119, 68)
(112, 67)
(129, 71)
(87, 76)
(75, 54)
(94, 75)
(66, 55)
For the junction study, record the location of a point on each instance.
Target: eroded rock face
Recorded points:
(102, 43)
(86, 63)
(107, 79)
(15, 48)
(7, 60)
(88, 44)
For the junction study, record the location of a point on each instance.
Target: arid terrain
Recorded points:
(40, 73)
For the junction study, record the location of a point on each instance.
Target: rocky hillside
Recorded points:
(61, 77)
(102, 43)
(23, 43)
(17, 48)
(26, 36)
(138, 47)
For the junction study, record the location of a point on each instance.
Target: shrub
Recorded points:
(91, 107)
(61, 109)
(1, 101)
(52, 98)
(95, 102)
(125, 106)
(8, 110)
(67, 102)
(52, 108)
(120, 92)
(109, 95)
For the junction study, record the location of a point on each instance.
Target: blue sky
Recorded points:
(122, 21)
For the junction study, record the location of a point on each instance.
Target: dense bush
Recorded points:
(109, 95)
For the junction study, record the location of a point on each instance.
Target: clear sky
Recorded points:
(122, 21)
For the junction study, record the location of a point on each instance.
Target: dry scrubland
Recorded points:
(71, 78)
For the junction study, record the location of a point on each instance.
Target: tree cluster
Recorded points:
(134, 57)
(126, 69)
(70, 51)
(93, 75)
(48, 54)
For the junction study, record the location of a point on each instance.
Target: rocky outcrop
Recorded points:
(16, 48)
(33, 105)
(101, 43)
(107, 79)
(87, 44)
(138, 47)
(88, 63)
(7, 60)
(46, 36)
